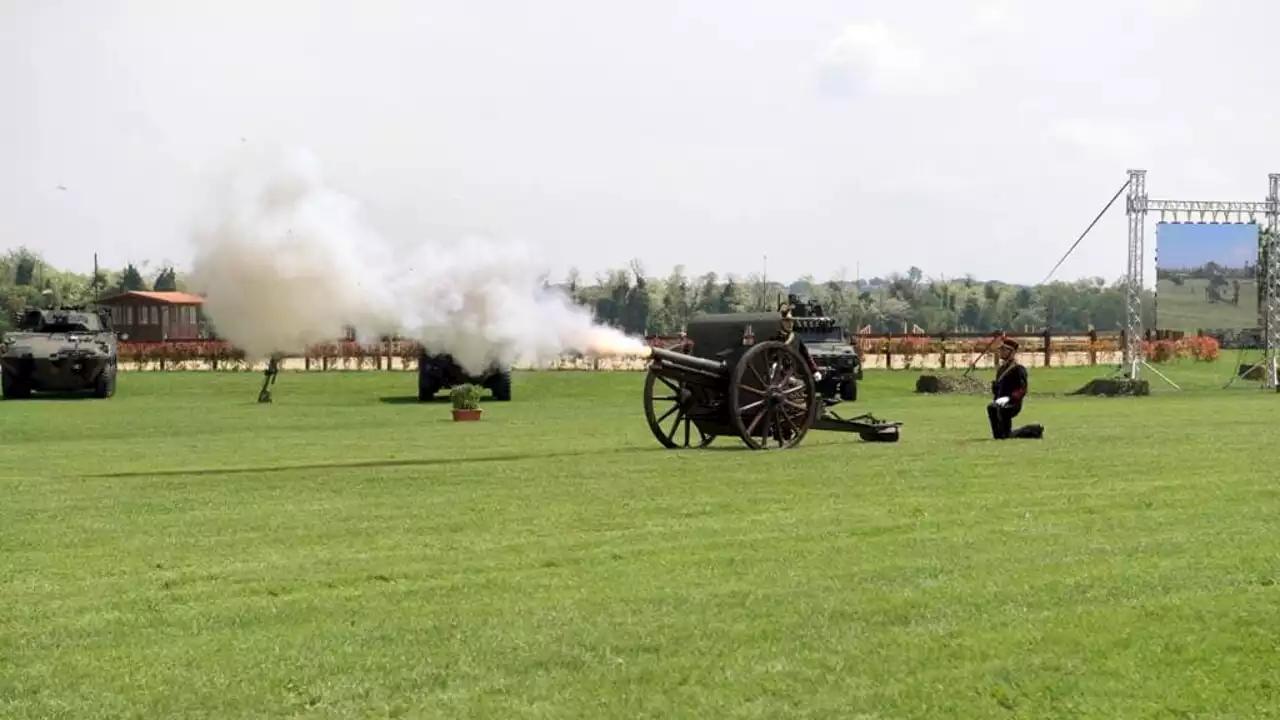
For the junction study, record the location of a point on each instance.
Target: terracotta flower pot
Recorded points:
(461, 415)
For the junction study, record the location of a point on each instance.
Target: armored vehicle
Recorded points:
(440, 371)
(837, 359)
(67, 349)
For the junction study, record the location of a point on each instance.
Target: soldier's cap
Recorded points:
(1009, 343)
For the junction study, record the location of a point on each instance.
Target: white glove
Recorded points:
(817, 376)
(1001, 402)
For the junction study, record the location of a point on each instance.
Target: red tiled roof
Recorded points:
(172, 298)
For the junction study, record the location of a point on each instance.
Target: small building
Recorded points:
(156, 316)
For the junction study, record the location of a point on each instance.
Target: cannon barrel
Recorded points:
(688, 361)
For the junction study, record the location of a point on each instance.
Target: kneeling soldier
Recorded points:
(1009, 390)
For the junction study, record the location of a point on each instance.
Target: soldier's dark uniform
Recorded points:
(788, 336)
(1008, 392)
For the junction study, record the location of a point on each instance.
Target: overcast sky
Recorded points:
(960, 136)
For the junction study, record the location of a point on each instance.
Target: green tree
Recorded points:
(166, 281)
(131, 279)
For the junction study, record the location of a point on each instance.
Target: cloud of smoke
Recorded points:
(289, 262)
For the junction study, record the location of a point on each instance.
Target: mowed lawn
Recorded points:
(180, 551)
(1184, 307)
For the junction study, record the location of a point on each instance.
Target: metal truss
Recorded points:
(1136, 209)
(1271, 326)
(1196, 211)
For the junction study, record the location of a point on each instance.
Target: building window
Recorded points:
(128, 315)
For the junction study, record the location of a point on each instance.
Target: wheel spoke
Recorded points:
(750, 389)
(783, 435)
(795, 430)
(674, 388)
(686, 430)
(667, 414)
(671, 435)
(790, 373)
(752, 427)
(797, 406)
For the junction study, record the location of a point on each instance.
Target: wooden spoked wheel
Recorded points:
(666, 407)
(772, 397)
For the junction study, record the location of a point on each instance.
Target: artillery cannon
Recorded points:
(724, 381)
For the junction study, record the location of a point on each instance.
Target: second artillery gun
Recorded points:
(730, 379)
(64, 349)
(440, 372)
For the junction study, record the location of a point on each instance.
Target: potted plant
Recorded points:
(466, 402)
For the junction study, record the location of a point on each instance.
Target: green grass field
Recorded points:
(1184, 307)
(179, 551)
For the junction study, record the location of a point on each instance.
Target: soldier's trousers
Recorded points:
(1001, 419)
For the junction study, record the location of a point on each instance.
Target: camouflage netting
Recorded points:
(1115, 387)
(955, 384)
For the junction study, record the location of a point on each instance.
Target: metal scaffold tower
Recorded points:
(1201, 211)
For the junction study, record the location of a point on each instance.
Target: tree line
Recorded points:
(898, 303)
(639, 303)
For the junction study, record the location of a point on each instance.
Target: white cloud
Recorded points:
(870, 56)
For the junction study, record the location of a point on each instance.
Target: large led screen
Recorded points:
(1206, 277)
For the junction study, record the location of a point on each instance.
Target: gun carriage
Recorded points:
(730, 377)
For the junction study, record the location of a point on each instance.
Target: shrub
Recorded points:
(465, 397)
(1160, 351)
(1202, 349)
(912, 345)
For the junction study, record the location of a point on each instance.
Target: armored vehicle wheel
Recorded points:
(849, 390)
(675, 401)
(500, 385)
(772, 397)
(105, 385)
(13, 388)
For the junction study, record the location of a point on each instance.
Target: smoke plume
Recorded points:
(288, 262)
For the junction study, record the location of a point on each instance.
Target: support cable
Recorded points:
(1086, 231)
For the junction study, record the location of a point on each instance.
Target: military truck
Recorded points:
(60, 350)
(837, 359)
(439, 371)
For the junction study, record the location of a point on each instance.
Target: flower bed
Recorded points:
(218, 355)
(915, 345)
(1205, 349)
